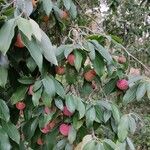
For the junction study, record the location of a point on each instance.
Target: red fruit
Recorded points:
(30, 92)
(121, 59)
(63, 15)
(39, 141)
(71, 59)
(66, 112)
(19, 42)
(60, 70)
(64, 129)
(20, 105)
(90, 75)
(45, 129)
(122, 84)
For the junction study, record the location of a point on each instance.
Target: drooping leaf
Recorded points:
(98, 64)
(4, 111)
(5, 36)
(4, 141)
(148, 90)
(70, 103)
(29, 128)
(25, 26)
(123, 128)
(67, 4)
(103, 51)
(78, 60)
(90, 145)
(36, 97)
(80, 107)
(3, 76)
(48, 49)
(59, 104)
(35, 51)
(141, 90)
(36, 30)
(116, 113)
(47, 5)
(47, 99)
(130, 95)
(19, 94)
(90, 116)
(49, 86)
(26, 80)
(73, 10)
(12, 131)
(130, 144)
(132, 124)
(72, 135)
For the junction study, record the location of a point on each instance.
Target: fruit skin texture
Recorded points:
(64, 15)
(122, 59)
(89, 75)
(19, 42)
(71, 59)
(20, 105)
(64, 129)
(39, 141)
(30, 92)
(60, 70)
(122, 84)
(66, 112)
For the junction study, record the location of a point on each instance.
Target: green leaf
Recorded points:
(25, 26)
(36, 97)
(90, 116)
(104, 52)
(59, 89)
(78, 59)
(29, 128)
(34, 50)
(4, 141)
(99, 65)
(111, 144)
(48, 49)
(90, 47)
(47, 99)
(12, 131)
(49, 86)
(19, 94)
(3, 76)
(90, 145)
(141, 90)
(130, 94)
(67, 4)
(47, 6)
(68, 49)
(76, 122)
(72, 135)
(69, 147)
(148, 90)
(73, 10)
(110, 86)
(31, 64)
(70, 103)
(26, 80)
(4, 111)
(36, 30)
(123, 128)
(115, 113)
(59, 104)
(5, 36)
(132, 124)
(80, 107)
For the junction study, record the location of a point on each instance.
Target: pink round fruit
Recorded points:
(39, 141)
(121, 59)
(19, 42)
(20, 105)
(122, 84)
(66, 112)
(71, 59)
(64, 129)
(60, 70)
(89, 75)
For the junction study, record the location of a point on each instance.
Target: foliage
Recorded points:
(36, 99)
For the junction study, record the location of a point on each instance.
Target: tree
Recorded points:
(61, 95)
